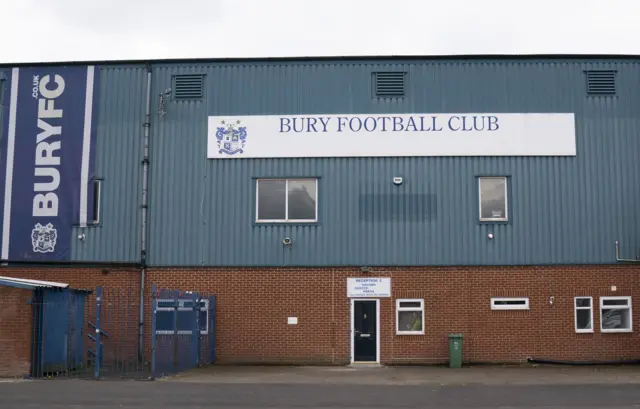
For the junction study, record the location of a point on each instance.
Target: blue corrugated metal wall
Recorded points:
(121, 115)
(563, 210)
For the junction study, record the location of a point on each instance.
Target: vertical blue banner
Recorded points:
(5, 91)
(47, 145)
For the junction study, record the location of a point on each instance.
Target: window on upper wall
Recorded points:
(583, 307)
(287, 200)
(410, 317)
(493, 204)
(97, 191)
(615, 314)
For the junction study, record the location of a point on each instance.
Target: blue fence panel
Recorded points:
(55, 334)
(57, 339)
(77, 348)
(208, 339)
(95, 334)
(182, 330)
(116, 348)
(99, 350)
(37, 311)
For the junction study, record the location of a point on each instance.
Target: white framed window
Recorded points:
(165, 316)
(410, 316)
(492, 198)
(615, 314)
(97, 192)
(286, 200)
(509, 303)
(583, 307)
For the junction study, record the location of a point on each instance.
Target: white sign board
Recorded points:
(368, 287)
(472, 134)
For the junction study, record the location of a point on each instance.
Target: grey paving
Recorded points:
(416, 375)
(323, 388)
(90, 394)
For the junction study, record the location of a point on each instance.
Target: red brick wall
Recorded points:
(253, 306)
(120, 303)
(15, 332)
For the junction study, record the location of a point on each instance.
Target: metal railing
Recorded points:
(94, 335)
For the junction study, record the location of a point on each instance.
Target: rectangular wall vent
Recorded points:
(389, 84)
(188, 86)
(601, 82)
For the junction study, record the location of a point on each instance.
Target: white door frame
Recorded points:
(377, 300)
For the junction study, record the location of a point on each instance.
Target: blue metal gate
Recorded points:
(55, 330)
(96, 336)
(182, 331)
(57, 340)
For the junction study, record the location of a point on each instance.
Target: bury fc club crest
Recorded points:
(231, 138)
(43, 238)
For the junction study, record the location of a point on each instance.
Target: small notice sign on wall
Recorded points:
(368, 287)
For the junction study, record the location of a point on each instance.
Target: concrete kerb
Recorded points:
(413, 375)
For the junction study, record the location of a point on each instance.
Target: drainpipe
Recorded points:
(143, 224)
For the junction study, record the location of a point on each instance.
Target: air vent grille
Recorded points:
(601, 82)
(389, 84)
(188, 86)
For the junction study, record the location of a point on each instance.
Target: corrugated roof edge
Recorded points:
(336, 58)
(33, 284)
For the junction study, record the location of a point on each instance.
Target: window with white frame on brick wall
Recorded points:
(410, 316)
(583, 308)
(509, 303)
(615, 314)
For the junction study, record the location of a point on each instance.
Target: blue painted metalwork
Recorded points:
(77, 318)
(117, 340)
(99, 350)
(212, 324)
(120, 118)
(182, 339)
(564, 210)
(97, 353)
(195, 329)
(55, 334)
(60, 348)
(154, 307)
(36, 337)
(57, 342)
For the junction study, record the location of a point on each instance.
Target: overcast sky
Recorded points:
(65, 30)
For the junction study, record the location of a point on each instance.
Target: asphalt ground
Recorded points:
(321, 388)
